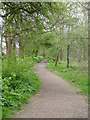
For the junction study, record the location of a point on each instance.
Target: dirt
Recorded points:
(56, 99)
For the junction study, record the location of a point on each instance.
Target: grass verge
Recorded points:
(75, 74)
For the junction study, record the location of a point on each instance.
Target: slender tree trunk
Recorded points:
(57, 56)
(6, 41)
(10, 42)
(44, 52)
(84, 56)
(57, 59)
(14, 50)
(68, 56)
(23, 52)
(9, 47)
(61, 55)
(6, 47)
(20, 48)
(79, 56)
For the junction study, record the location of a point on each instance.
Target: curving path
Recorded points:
(57, 98)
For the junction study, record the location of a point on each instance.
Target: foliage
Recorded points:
(18, 83)
(75, 74)
(30, 29)
(38, 59)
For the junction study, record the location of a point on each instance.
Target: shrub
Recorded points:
(18, 82)
(38, 59)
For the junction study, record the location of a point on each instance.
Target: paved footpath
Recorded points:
(57, 98)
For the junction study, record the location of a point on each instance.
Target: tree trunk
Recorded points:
(20, 48)
(68, 56)
(44, 52)
(6, 47)
(57, 59)
(6, 37)
(14, 50)
(84, 56)
(57, 56)
(9, 47)
(61, 54)
(10, 43)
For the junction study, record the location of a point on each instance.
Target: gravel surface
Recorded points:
(57, 98)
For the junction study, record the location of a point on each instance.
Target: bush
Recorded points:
(38, 59)
(50, 60)
(18, 83)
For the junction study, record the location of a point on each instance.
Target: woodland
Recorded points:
(35, 31)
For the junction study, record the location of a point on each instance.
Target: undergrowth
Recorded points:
(19, 83)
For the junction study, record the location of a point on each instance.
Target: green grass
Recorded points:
(75, 74)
